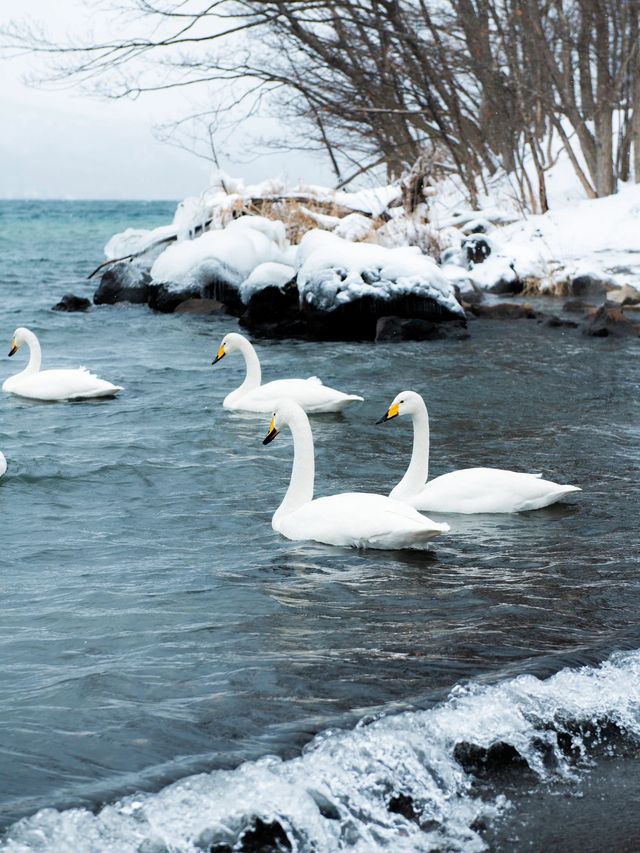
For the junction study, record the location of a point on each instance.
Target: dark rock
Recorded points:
(602, 322)
(560, 322)
(264, 837)
(166, 300)
(200, 306)
(588, 285)
(576, 306)
(70, 302)
(506, 311)
(507, 286)
(275, 312)
(403, 804)
(469, 297)
(482, 760)
(476, 248)
(123, 282)
(357, 320)
(224, 289)
(390, 329)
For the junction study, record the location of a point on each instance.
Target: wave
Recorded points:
(403, 783)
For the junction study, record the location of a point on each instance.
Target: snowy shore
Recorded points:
(315, 262)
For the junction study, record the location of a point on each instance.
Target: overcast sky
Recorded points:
(67, 144)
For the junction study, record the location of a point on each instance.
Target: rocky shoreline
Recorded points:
(330, 265)
(276, 312)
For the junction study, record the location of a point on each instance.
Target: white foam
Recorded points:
(336, 794)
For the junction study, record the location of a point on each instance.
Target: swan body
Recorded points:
(51, 385)
(470, 490)
(3, 464)
(252, 396)
(353, 519)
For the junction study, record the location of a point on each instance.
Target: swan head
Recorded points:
(284, 412)
(230, 343)
(405, 403)
(19, 337)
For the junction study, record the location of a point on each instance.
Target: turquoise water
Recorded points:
(154, 626)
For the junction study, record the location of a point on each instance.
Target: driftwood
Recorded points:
(247, 203)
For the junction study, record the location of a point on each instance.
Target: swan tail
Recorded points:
(315, 379)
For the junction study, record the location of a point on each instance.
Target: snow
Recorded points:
(137, 240)
(230, 254)
(334, 271)
(270, 274)
(354, 227)
(598, 237)
(273, 229)
(577, 237)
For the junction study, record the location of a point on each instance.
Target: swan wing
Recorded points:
(488, 490)
(50, 385)
(311, 394)
(359, 520)
(3, 464)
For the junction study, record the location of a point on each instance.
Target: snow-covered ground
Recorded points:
(357, 244)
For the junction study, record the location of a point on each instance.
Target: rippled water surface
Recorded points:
(154, 625)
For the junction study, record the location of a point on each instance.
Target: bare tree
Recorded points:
(466, 85)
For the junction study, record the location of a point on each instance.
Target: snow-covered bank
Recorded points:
(332, 263)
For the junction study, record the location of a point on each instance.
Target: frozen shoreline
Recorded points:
(299, 270)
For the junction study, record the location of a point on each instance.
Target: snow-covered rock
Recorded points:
(595, 239)
(353, 226)
(333, 272)
(270, 274)
(227, 255)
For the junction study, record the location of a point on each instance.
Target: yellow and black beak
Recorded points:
(393, 412)
(221, 354)
(14, 348)
(273, 432)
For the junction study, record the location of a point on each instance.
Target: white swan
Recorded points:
(3, 464)
(36, 384)
(251, 396)
(471, 490)
(354, 519)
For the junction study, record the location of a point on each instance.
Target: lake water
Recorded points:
(171, 669)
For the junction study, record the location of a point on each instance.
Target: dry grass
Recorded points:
(292, 213)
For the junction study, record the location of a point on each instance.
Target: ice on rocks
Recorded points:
(333, 271)
(231, 254)
(270, 274)
(138, 241)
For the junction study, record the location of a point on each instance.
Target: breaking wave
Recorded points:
(401, 783)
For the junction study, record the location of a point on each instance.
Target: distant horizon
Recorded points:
(87, 198)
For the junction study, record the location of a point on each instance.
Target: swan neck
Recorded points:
(300, 489)
(35, 354)
(417, 473)
(253, 376)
